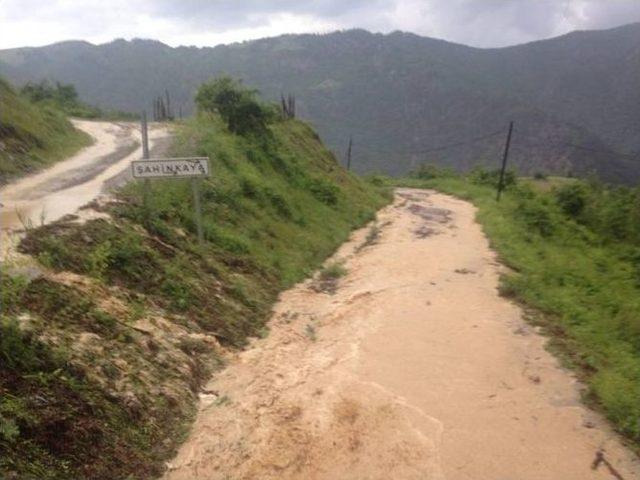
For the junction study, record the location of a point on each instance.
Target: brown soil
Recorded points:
(410, 370)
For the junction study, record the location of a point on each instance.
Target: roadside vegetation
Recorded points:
(132, 314)
(33, 135)
(574, 250)
(64, 97)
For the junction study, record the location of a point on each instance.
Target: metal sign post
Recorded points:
(195, 187)
(194, 168)
(146, 188)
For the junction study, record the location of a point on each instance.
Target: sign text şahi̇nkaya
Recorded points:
(171, 167)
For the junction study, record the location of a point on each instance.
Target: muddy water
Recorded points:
(414, 368)
(67, 185)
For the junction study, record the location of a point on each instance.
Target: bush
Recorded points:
(61, 95)
(333, 271)
(572, 199)
(536, 216)
(237, 106)
(324, 191)
(429, 171)
(482, 176)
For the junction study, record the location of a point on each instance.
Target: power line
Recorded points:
(446, 147)
(578, 147)
(609, 152)
(516, 144)
(459, 144)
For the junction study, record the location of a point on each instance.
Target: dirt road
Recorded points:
(67, 185)
(414, 368)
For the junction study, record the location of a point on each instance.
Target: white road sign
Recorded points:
(171, 167)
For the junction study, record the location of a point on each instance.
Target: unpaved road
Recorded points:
(66, 186)
(414, 369)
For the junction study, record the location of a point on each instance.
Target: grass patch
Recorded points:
(574, 248)
(33, 136)
(373, 235)
(58, 419)
(333, 271)
(327, 279)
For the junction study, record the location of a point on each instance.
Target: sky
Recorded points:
(479, 23)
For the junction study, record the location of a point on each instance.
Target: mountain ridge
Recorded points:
(397, 92)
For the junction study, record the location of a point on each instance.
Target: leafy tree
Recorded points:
(237, 105)
(64, 94)
(60, 95)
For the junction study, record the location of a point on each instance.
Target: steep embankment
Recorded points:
(32, 136)
(106, 341)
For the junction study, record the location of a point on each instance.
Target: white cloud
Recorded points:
(483, 23)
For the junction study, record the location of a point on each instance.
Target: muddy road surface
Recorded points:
(410, 367)
(67, 185)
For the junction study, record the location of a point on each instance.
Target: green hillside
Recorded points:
(32, 136)
(399, 95)
(120, 352)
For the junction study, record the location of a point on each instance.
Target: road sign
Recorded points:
(171, 167)
(184, 167)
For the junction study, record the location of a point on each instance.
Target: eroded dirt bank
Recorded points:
(414, 368)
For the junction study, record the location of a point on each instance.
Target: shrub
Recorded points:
(376, 180)
(482, 176)
(572, 199)
(18, 351)
(237, 105)
(60, 95)
(429, 171)
(324, 191)
(536, 216)
(333, 271)
(98, 260)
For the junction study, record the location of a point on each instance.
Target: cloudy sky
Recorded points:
(481, 23)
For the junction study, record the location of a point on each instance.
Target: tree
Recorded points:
(236, 104)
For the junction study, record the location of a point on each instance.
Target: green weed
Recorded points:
(333, 271)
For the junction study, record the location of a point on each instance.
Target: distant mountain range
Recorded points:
(575, 99)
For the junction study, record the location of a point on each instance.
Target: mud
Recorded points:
(66, 186)
(410, 370)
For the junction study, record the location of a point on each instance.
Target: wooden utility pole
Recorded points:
(349, 153)
(504, 162)
(145, 135)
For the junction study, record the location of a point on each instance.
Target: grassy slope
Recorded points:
(32, 136)
(585, 289)
(117, 405)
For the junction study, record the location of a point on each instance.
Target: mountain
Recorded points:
(400, 96)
